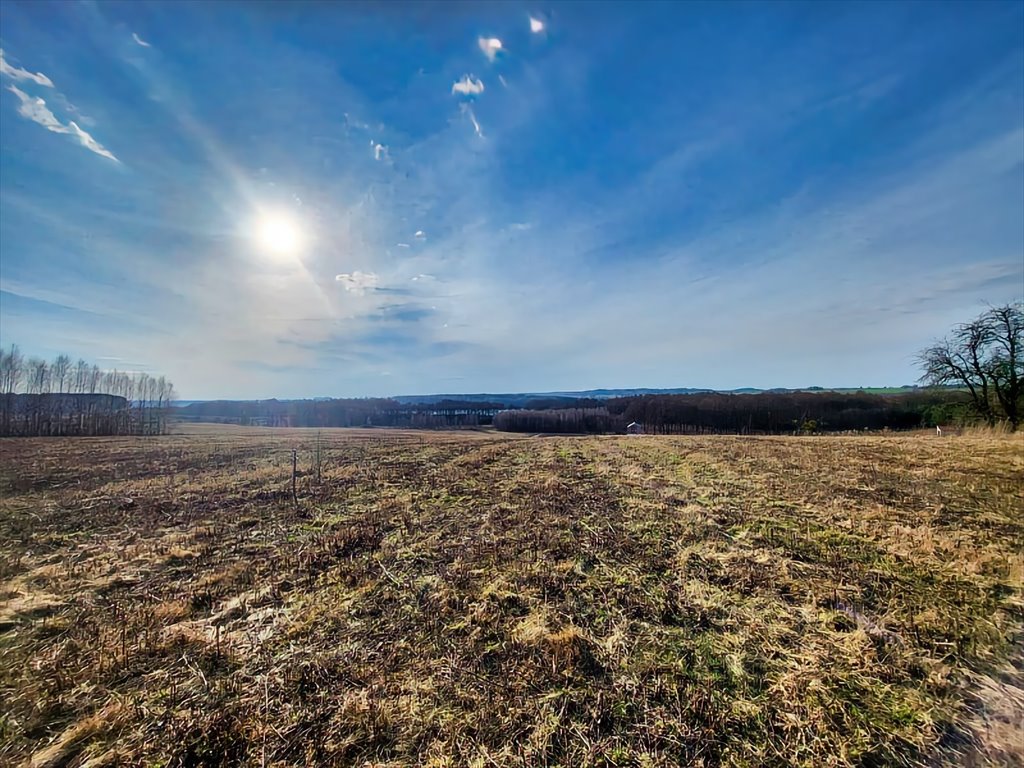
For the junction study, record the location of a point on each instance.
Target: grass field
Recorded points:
(470, 599)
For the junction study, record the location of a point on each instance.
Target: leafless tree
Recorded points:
(59, 371)
(1007, 359)
(38, 376)
(58, 398)
(80, 377)
(985, 357)
(12, 369)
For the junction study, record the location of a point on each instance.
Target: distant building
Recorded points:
(634, 428)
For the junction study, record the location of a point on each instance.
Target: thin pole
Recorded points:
(295, 495)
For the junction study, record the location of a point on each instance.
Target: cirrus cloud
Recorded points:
(358, 282)
(468, 86)
(34, 108)
(17, 73)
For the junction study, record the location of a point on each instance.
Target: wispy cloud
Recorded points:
(140, 41)
(490, 47)
(358, 282)
(34, 108)
(468, 86)
(472, 118)
(89, 142)
(646, 198)
(17, 73)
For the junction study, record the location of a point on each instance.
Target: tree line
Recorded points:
(343, 412)
(764, 413)
(61, 397)
(975, 374)
(592, 420)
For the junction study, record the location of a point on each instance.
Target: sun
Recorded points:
(279, 234)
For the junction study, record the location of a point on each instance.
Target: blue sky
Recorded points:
(616, 195)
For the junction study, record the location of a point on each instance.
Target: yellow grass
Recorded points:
(453, 599)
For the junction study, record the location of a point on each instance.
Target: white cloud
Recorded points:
(403, 245)
(490, 47)
(358, 282)
(17, 73)
(89, 142)
(140, 41)
(379, 151)
(420, 235)
(536, 25)
(468, 86)
(34, 108)
(472, 118)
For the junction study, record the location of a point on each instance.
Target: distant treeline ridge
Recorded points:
(766, 413)
(346, 412)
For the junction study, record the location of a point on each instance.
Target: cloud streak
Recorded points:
(468, 86)
(140, 41)
(17, 73)
(358, 282)
(34, 108)
(472, 118)
(830, 264)
(87, 141)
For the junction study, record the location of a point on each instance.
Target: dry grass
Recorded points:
(471, 599)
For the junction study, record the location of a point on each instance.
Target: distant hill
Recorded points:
(519, 399)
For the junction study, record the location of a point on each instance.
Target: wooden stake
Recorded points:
(295, 458)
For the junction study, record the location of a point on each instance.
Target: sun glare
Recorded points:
(279, 234)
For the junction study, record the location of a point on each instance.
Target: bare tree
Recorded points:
(80, 377)
(1007, 359)
(985, 358)
(59, 371)
(12, 369)
(59, 398)
(38, 376)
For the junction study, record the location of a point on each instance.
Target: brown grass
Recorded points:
(453, 599)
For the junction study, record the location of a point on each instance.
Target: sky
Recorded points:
(360, 199)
